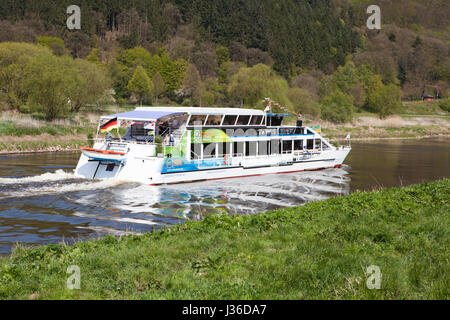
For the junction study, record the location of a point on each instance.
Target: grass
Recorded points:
(423, 108)
(25, 133)
(317, 251)
(37, 146)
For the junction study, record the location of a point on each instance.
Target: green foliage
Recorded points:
(346, 77)
(159, 87)
(53, 43)
(304, 102)
(444, 104)
(317, 251)
(222, 55)
(90, 86)
(337, 107)
(94, 56)
(49, 82)
(140, 84)
(252, 85)
(13, 61)
(192, 85)
(173, 73)
(385, 100)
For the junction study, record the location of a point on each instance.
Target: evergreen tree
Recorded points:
(140, 84)
(159, 87)
(192, 84)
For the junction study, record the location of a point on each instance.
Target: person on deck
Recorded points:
(166, 140)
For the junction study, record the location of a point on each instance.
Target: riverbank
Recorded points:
(317, 251)
(21, 133)
(368, 127)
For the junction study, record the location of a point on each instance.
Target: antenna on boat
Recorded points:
(348, 138)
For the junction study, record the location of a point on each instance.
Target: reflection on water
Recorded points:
(42, 202)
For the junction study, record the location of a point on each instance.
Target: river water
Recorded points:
(42, 202)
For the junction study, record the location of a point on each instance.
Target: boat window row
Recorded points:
(226, 120)
(254, 148)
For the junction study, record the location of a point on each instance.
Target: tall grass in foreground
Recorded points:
(317, 251)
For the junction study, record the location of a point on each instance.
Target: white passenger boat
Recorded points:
(183, 144)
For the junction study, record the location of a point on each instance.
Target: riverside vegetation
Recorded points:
(317, 251)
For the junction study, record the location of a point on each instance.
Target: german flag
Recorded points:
(108, 126)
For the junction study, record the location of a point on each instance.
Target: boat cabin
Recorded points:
(201, 133)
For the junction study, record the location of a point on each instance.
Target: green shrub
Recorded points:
(445, 104)
(337, 107)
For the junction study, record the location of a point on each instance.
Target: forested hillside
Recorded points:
(315, 56)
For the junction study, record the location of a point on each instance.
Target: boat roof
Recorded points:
(155, 113)
(199, 111)
(141, 115)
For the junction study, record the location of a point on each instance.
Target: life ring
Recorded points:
(226, 160)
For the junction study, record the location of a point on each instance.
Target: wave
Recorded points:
(46, 177)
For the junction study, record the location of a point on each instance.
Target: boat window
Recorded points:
(229, 120)
(275, 121)
(256, 120)
(275, 147)
(238, 149)
(287, 146)
(317, 143)
(298, 145)
(196, 150)
(250, 148)
(310, 144)
(214, 120)
(209, 150)
(243, 120)
(197, 118)
(262, 148)
(224, 149)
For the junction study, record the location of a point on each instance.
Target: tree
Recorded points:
(346, 77)
(49, 81)
(54, 43)
(94, 56)
(304, 102)
(337, 107)
(14, 58)
(159, 87)
(91, 84)
(205, 59)
(386, 100)
(78, 43)
(173, 73)
(252, 85)
(140, 84)
(222, 55)
(192, 85)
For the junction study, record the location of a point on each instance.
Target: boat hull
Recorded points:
(154, 171)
